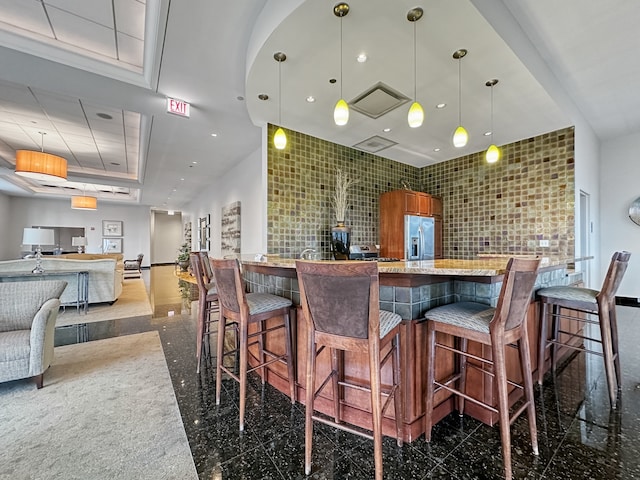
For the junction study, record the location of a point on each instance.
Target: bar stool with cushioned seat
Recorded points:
(585, 300)
(340, 302)
(207, 304)
(496, 327)
(244, 309)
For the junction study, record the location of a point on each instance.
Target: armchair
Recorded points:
(28, 312)
(132, 267)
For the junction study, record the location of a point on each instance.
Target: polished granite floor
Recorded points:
(579, 437)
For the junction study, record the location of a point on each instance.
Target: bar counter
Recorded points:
(409, 288)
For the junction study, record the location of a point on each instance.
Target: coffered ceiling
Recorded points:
(94, 76)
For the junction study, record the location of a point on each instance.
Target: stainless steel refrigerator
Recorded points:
(419, 241)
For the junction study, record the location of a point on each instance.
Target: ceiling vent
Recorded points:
(378, 100)
(374, 144)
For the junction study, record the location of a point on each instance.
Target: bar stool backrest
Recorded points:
(515, 295)
(340, 298)
(206, 266)
(617, 268)
(230, 287)
(196, 267)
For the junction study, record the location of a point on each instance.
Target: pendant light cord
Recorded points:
(341, 57)
(459, 91)
(492, 114)
(415, 67)
(280, 93)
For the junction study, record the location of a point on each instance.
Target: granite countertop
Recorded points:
(486, 266)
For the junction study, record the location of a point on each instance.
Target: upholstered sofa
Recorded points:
(28, 312)
(105, 277)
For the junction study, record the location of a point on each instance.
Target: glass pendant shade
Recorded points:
(341, 113)
(493, 154)
(280, 139)
(416, 115)
(460, 137)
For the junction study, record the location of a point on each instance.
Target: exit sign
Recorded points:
(177, 107)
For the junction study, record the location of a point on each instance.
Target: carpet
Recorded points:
(107, 411)
(132, 302)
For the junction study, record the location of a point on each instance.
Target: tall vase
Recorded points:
(340, 241)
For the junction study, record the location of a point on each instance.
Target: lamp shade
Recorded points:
(416, 115)
(41, 166)
(38, 236)
(82, 202)
(78, 241)
(493, 154)
(341, 113)
(460, 137)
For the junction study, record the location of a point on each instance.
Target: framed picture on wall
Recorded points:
(111, 245)
(112, 228)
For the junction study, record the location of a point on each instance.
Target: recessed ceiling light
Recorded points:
(214, 134)
(106, 116)
(182, 179)
(175, 189)
(263, 96)
(311, 99)
(362, 58)
(486, 134)
(441, 106)
(115, 163)
(436, 149)
(195, 163)
(386, 130)
(240, 97)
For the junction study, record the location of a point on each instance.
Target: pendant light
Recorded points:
(460, 136)
(341, 111)
(279, 138)
(493, 152)
(415, 116)
(84, 202)
(40, 165)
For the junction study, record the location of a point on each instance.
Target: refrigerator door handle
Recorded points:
(420, 242)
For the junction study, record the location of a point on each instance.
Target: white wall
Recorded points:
(245, 183)
(619, 186)
(6, 249)
(25, 212)
(167, 236)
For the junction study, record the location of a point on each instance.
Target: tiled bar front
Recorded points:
(409, 295)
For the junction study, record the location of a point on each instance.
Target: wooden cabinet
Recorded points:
(394, 206)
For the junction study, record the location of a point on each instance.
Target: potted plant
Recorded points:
(341, 234)
(183, 257)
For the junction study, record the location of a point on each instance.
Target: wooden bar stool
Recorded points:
(577, 301)
(340, 302)
(243, 309)
(207, 303)
(496, 327)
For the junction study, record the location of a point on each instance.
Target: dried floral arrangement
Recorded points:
(340, 203)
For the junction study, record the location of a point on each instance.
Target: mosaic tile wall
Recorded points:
(301, 183)
(502, 208)
(508, 207)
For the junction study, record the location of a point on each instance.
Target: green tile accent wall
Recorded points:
(502, 208)
(301, 183)
(509, 206)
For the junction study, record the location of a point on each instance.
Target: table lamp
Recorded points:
(79, 242)
(38, 237)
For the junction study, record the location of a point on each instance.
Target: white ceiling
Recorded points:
(66, 61)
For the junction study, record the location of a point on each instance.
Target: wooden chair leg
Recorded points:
(337, 391)
(607, 351)
(39, 380)
(243, 372)
(614, 344)
(290, 359)
(222, 328)
(500, 371)
(398, 396)
(542, 344)
(263, 373)
(527, 380)
(309, 394)
(462, 368)
(376, 410)
(428, 410)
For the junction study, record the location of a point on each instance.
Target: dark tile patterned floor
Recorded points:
(579, 436)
